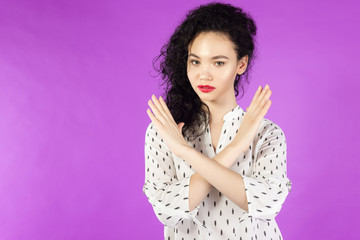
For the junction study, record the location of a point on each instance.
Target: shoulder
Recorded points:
(155, 142)
(151, 130)
(269, 137)
(152, 133)
(270, 130)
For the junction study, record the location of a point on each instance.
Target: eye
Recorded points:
(219, 63)
(194, 62)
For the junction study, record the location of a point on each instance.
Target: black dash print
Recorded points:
(167, 182)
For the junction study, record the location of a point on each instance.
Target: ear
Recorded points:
(242, 64)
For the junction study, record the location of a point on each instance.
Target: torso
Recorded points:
(233, 222)
(215, 131)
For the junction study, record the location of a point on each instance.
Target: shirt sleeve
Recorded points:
(268, 186)
(167, 195)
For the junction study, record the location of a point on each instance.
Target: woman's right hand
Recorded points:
(251, 121)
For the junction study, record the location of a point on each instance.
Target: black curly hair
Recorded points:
(182, 101)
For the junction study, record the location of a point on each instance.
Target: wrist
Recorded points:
(182, 149)
(229, 155)
(238, 145)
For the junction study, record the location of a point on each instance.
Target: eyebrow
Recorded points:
(215, 57)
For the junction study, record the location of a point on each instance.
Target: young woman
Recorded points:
(212, 170)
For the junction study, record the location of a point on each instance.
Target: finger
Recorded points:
(257, 93)
(156, 122)
(181, 125)
(156, 112)
(262, 94)
(265, 99)
(151, 115)
(163, 103)
(266, 108)
(159, 107)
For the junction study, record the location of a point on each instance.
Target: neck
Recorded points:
(218, 110)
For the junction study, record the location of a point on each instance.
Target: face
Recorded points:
(212, 61)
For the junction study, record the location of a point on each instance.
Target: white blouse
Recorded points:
(262, 166)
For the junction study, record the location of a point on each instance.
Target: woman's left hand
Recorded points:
(165, 124)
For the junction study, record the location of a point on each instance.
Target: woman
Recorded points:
(212, 170)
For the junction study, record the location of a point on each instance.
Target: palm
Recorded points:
(165, 124)
(252, 119)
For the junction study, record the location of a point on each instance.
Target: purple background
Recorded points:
(74, 85)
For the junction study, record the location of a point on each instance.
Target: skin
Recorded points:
(213, 61)
(203, 69)
(219, 72)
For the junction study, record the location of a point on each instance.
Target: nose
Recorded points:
(205, 74)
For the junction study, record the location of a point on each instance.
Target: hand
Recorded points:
(165, 124)
(255, 113)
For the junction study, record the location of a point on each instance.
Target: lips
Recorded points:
(205, 88)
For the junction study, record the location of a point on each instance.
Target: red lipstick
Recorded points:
(205, 88)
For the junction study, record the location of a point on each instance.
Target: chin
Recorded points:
(207, 98)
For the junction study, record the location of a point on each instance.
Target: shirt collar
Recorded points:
(236, 112)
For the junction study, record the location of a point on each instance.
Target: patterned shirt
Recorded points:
(262, 166)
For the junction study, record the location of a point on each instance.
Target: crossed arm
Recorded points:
(261, 194)
(214, 173)
(266, 187)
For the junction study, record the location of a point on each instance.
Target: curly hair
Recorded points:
(181, 99)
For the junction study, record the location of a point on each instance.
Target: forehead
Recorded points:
(208, 44)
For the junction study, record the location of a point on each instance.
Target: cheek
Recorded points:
(191, 74)
(226, 75)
